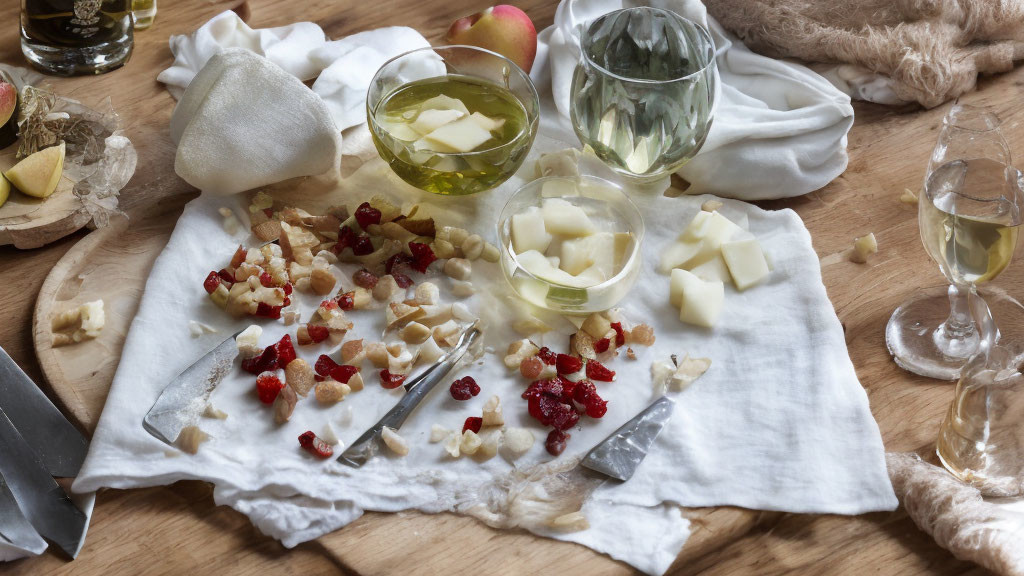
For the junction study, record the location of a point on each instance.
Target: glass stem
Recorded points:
(959, 325)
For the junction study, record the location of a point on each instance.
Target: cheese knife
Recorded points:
(620, 454)
(14, 527)
(59, 445)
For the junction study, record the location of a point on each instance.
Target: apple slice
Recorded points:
(746, 262)
(5, 190)
(430, 120)
(528, 232)
(700, 302)
(8, 114)
(38, 174)
(562, 217)
(443, 102)
(596, 250)
(462, 135)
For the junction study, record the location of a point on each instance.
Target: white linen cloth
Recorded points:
(779, 128)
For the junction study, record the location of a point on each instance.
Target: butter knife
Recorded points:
(59, 445)
(366, 446)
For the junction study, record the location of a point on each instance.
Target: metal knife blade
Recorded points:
(14, 527)
(60, 446)
(365, 447)
(620, 454)
(40, 498)
(184, 399)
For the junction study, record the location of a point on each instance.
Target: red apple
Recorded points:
(504, 29)
(8, 114)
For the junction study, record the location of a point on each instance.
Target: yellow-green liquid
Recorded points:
(454, 173)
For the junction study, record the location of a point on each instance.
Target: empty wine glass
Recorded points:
(968, 215)
(643, 93)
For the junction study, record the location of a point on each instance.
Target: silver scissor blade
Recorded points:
(60, 446)
(620, 454)
(14, 527)
(184, 399)
(39, 497)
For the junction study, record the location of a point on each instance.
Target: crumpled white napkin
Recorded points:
(779, 129)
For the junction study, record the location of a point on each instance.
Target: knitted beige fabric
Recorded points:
(989, 533)
(933, 50)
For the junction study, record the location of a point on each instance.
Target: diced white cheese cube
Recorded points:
(701, 301)
(430, 120)
(442, 102)
(400, 131)
(489, 124)
(528, 232)
(714, 270)
(559, 188)
(562, 217)
(746, 262)
(93, 317)
(681, 255)
(537, 264)
(462, 135)
(595, 250)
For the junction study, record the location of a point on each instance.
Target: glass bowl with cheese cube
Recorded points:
(571, 245)
(452, 120)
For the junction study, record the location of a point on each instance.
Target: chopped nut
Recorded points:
(220, 296)
(492, 412)
(429, 351)
(630, 354)
(458, 268)
(461, 289)
(197, 329)
(260, 202)
(688, 371)
(352, 352)
(446, 333)
(360, 298)
(711, 205)
(489, 446)
(400, 359)
(329, 435)
(434, 314)
(394, 231)
(386, 288)
(426, 293)
(211, 412)
(461, 313)
(321, 281)
(515, 442)
(267, 231)
(331, 391)
(453, 444)
(490, 253)
(472, 247)
(908, 196)
(572, 522)
(284, 404)
(415, 333)
(356, 382)
(248, 342)
(596, 326)
(399, 313)
(394, 442)
(438, 433)
(642, 335)
(582, 344)
(299, 376)
(297, 244)
(190, 438)
(377, 354)
(863, 247)
(470, 442)
(519, 351)
(443, 249)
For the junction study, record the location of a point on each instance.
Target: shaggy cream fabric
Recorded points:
(987, 532)
(931, 50)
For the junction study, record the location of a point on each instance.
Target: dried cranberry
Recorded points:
(346, 301)
(266, 280)
(397, 261)
(597, 371)
(365, 279)
(315, 446)
(330, 304)
(402, 280)
(269, 212)
(319, 378)
(211, 282)
(584, 390)
(564, 417)
(566, 364)
(268, 386)
(287, 289)
(552, 387)
(602, 345)
(620, 335)
(265, 310)
(547, 356)
(273, 357)
(324, 365)
(239, 256)
(346, 239)
(285, 351)
(596, 407)
(367, 215)
(363, 246)
(422, 256)
(226, 275)
(317, 333)
(389, 380)
(464, 388)
(555, 444)
(473, 423)
(568, 389)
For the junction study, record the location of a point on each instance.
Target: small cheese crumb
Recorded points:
(197, 329)
(329, 436)
(248, 341)
(438, 433)
(908, 196)
(394, 442)
(211, 412)
(863, 247)
(190, 438)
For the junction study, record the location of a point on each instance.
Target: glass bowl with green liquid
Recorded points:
(452, 120)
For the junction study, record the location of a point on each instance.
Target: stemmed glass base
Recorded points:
(924, 339)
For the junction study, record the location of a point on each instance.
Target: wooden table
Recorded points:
(178, 529)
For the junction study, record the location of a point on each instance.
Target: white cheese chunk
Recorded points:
(680, 255)
(562, 217)
(715, 270)
(487, 123)
(528, 232)
(442, 102)
(93, 318)
(746, 262)
(595, 250)
(462, 135)
(430, 120)
(701, 301)
(537, 264)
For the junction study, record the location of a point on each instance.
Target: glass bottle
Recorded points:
(76, 37)
(144, 12)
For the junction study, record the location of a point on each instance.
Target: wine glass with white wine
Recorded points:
(969, 215)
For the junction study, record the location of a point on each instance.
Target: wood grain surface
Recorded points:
(178, 529)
